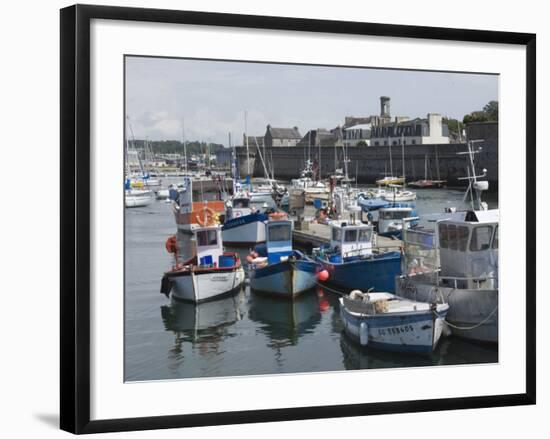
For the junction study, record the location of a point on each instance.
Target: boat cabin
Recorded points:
(391, 218)
(239, 206)
(350, 240)
(468, 250)
(209, 246)
(278, 240)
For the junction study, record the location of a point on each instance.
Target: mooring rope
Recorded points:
(468, 328)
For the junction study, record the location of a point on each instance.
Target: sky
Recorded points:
(210, 97)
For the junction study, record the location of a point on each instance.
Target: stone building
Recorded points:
(430, 130)
(322, 137)
(281, 136)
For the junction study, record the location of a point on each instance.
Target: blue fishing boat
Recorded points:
(388, 322)
(277, 268)
(350, 261)
(370, 204)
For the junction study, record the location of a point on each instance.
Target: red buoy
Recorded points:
(323, 275)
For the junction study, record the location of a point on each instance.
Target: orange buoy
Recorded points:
(172, 244)
(323, 275)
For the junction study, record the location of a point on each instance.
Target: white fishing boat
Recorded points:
(244, 225)
(458, 264)
(210, 274)
(385, 321)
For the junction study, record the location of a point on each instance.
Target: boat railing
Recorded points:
(476, 280)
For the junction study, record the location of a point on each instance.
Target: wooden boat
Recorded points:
(388, 322)
(208, 275)
(275, 267)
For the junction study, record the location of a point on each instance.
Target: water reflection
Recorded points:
(285, 321)
(451, 350)
(204, 325)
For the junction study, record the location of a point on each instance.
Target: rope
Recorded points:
(467, 328)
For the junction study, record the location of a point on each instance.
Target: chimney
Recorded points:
(435, 125)
(384, 106)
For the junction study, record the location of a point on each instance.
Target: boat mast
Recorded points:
(184, 143)
(403, 157)
(391, 161)
(246, 142)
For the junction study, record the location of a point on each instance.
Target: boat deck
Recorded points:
(313, 234)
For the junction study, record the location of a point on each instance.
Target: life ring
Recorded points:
(207, 218)
(172, 244)
(277, 215)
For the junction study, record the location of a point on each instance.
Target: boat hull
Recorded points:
(246, 230)
(284, 279)
(416, 332)
(378, 273)
(468, 308)
(200, 286)
(139, 200)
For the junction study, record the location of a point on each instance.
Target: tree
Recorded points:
(491, 110)
(455, 126)
(362, 143)
(488, 114)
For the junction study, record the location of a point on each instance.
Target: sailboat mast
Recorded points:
(246, 142)
(391, 161)
(184, 144)
(403, 157)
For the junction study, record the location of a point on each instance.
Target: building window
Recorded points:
(385, 143)
(414, 142)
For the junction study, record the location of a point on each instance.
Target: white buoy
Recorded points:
(364, 334)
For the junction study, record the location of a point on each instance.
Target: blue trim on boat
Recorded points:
(385, 320)
(378, 272)
(242, 220)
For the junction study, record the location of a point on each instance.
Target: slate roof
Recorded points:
(284, 133)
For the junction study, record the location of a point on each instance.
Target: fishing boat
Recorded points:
(349, 261)
(312, 189)
(458, 265)
(244, 225)
(369, 204)
(189, 211)
(387, 322)
(391, 219)
(211, 273)
(275, 267)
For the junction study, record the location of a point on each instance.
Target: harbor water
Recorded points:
(249, 334)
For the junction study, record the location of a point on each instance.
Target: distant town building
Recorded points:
(281, 136)
(322, 137)
(254, 140)
(357, 133)
(431, 130)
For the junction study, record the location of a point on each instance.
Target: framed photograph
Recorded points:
(276, 218)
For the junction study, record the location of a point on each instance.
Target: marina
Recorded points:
(247, 332)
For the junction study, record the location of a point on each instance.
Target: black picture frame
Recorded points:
(75, 217)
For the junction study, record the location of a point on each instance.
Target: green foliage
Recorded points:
(175, 146)
(455, 126)
(362, 143)
(491, 110)
(488, 114)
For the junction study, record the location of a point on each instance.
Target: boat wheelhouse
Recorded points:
(391, 219)
(209, 274)
(244, 224)
(275, 267)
